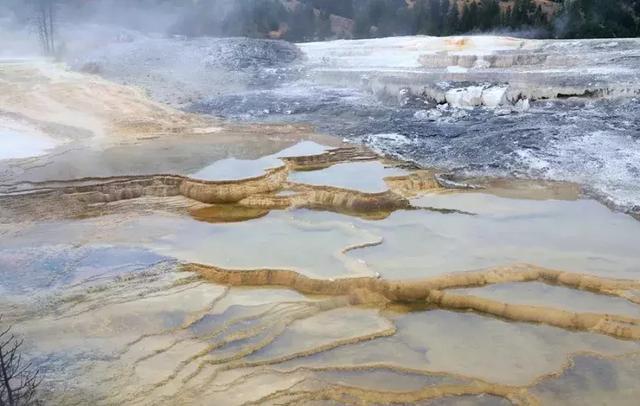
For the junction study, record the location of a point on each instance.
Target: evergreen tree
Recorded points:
(405, 22)
(469, 20)
(489, 14)
(466, 21)
(323, 25)
(474, 10)
(453, 20)
(598, 19)
(311, 19)
(506, 17)
(521, 13)
(434, 18)
(362, 25)
(301, 24)
(539, 18)
(445, 5)
(343, 8)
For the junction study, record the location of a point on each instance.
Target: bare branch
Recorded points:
(44, 19)
(18, 380)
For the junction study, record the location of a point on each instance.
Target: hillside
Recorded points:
(316, 20)
(305, 20)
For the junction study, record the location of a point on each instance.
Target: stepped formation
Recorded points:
(268, 265)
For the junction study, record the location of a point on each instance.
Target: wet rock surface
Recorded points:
(321, 274)
(263, 301)
(497, 106)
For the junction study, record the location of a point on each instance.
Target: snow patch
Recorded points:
(393, 137)
(606, 162)
(428, 115)
(523, 105)
(494, 96)
(468, 97)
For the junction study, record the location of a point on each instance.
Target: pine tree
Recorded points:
(434, 25)
(466, 21)
(323, 25)
(445, 5)
(453, 19)
(506, 17)
(521, 13)
(489, 14)
(598, 19)
(475, 13)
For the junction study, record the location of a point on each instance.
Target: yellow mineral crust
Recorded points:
(252, 193)
(430, 291)
(233, 191)
(370, 205)
(49, 92)
(329, 158)
(353, 395)
(414, 184)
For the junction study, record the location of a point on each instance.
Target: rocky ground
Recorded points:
(563, 110)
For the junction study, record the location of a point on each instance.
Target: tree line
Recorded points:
(314, 20)
(306, 20)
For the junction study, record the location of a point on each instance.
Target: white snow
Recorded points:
(494, 96)
(523, 105)
(467, 97)
(475, 96)
(607, 161)
(393, 137)
(430, 115)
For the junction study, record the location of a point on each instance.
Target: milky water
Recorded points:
(124, 318)
(365, 177)
(16, 145)
(236, 169)
(540, 294)
(503, 231)
(439, 341)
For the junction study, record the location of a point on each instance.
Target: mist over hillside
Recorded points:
(312, 20)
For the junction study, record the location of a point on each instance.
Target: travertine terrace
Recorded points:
(150, 256)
